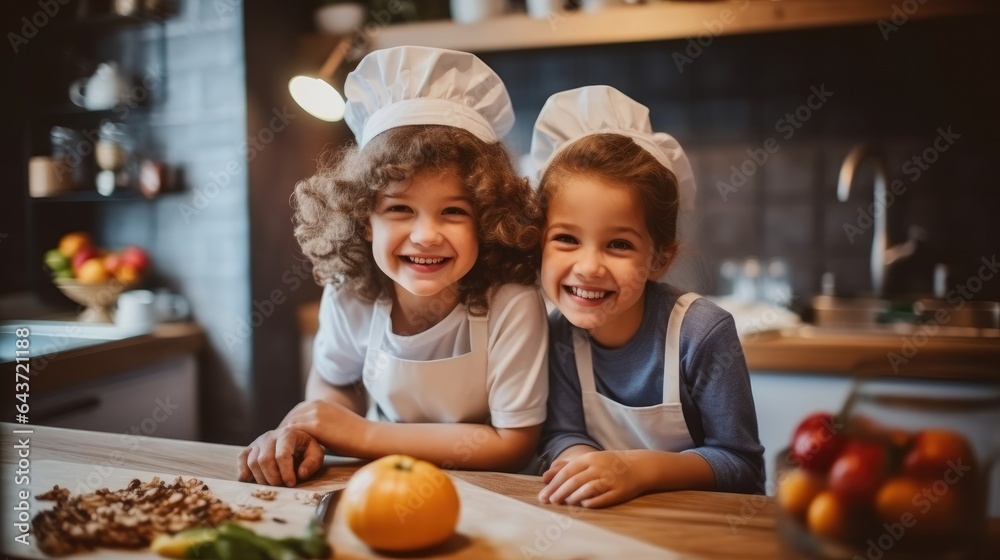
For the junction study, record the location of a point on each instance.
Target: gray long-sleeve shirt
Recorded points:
(715, 391)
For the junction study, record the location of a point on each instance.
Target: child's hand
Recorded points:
(271, 458)
(595, 479)
(332, 424)
(563, 459)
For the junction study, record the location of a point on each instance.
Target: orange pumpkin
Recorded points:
(398, 503)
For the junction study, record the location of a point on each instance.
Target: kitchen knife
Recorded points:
(325, 511)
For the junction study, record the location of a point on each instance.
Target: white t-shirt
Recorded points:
(517, 379)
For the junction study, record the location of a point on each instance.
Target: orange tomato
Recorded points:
(797, 490)
(895, 499)
(398, 503)
(827, 516)
(935, 452)
(932, 507)
(939, 512)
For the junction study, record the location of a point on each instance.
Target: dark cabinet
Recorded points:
(93, 76)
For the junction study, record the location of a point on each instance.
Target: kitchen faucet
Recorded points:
(882, 254)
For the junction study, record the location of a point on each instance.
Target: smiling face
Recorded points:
(423, 234)
(596, 257)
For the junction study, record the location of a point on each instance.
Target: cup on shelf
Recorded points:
(48, 176)
(339, 19)
(103, 90)
(171, 307)
(544, 9)
(109, 155)
(136, 311)
(598, 5)
(471, 11)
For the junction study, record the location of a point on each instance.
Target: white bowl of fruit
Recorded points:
(94, 276)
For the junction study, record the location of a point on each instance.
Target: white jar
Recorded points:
(471, 11)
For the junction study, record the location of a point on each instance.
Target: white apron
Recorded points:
(618, 427)
(438, 391)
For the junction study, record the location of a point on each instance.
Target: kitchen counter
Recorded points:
(908, 356)
(706, 524)
(823, 351)
(77, 366)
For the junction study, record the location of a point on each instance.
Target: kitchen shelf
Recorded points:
(110, 21)
(653, 22)
(91, 196)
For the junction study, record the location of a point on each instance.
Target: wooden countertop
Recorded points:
(910, 356)
(808, 350)
(703, 524)
(65, 369)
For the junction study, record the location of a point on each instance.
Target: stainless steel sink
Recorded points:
(893, 330)
(853, 317)
(848, 312)
(52, 337)
(975, 314)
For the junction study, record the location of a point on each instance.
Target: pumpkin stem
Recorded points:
(404, 463)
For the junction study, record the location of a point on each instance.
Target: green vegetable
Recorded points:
(204, 550)
(313, 546)
(233, 548)
(179, 545)
(272, 549)
(231, 541)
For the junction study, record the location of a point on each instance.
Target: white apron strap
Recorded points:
(380, 317)
(584, 361)
(672, 350)
(478, 332)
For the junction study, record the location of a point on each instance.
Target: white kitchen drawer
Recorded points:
(159, 400)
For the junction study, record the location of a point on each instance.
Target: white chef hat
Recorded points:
(570, 115)
(420, 85)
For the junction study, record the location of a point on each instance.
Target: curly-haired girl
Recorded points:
(421, 234)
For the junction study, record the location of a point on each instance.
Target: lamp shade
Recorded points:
(315, 94)
(317, 97)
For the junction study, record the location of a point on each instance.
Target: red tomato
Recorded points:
(858, 472)
(816, 442)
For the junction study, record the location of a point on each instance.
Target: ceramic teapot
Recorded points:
(101, 91)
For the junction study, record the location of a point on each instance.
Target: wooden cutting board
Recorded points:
(290, 505)
(490, 526)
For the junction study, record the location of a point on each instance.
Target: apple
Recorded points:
(92, 272)
(82, 256)
(127, 274)
(113, 262)
(56, 261)
(71, 243)
(858, 472)
(136, 257)
(817, 441)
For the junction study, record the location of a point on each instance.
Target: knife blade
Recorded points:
(325, 511)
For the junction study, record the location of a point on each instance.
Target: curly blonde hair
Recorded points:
(333, 208)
